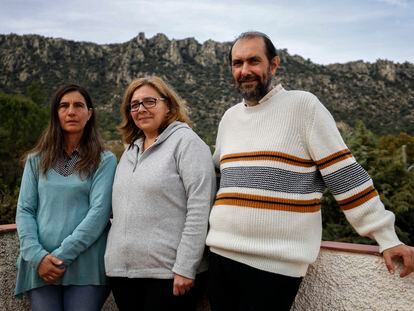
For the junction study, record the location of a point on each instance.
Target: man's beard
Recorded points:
(261, 89)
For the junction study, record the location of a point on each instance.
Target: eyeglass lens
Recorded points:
(147, 102)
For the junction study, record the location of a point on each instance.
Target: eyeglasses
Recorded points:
(147, 102)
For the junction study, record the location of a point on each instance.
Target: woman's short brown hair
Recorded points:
(178, 110)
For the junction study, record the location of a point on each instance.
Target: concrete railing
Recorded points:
(353, 277)
(344, 277)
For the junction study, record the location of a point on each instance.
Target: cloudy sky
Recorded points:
(326, 31)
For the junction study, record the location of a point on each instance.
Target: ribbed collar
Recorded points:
(272, 92)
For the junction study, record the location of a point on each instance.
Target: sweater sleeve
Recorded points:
(197, 173)
(92, 226)
(350, 184)
(30, 248)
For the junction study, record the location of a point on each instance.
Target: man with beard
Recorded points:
(277, 150)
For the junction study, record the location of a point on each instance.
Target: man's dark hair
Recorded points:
(270, 48)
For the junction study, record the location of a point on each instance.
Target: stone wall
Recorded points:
(343, 280)
(344, 277)
(9, 245)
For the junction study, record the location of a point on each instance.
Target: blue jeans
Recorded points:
(68, 298)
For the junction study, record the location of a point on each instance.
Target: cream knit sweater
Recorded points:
(276, 159)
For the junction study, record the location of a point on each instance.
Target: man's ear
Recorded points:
(274, 64)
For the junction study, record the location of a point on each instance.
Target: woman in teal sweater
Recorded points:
(63, 209)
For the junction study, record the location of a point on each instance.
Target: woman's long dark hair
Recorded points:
(50, 145)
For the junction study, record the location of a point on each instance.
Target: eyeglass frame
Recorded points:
(139, 103)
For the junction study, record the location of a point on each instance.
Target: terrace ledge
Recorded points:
(345, 276)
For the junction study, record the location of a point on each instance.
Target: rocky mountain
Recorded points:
(381, 94)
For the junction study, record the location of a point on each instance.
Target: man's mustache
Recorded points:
(248, 78)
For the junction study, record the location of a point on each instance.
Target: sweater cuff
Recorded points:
(184, 272)
(58, 253)
(35, 262)
(386, 238)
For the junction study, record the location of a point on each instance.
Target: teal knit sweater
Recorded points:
(67, 217)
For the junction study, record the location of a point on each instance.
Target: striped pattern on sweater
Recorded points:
(341, 181)
(267, 155)
(256, 201)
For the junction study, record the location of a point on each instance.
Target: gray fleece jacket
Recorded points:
(161, 201)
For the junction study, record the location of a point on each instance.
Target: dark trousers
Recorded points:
(236, 286)
(154, 294)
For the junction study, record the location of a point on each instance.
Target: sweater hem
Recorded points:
(151, 274)
(292, 269)
(21, 291)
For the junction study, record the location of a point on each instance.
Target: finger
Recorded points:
(56, 261)
(49, 274)
(408, 264)
(405, 272)
(52, 275)
(388, 262)
(176, 292)
(61, 267)
(182, 290)
(55, 269)
(55, 275)
(60, 270)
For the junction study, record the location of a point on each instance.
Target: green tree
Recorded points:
(36, 93)
(381, 157)
(395, 182)
(21, 122)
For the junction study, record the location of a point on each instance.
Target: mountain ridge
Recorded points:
(381, 94)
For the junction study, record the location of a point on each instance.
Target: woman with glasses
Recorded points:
(162, 194)
(63, 209)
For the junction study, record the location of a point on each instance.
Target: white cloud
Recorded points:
(324, 31)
